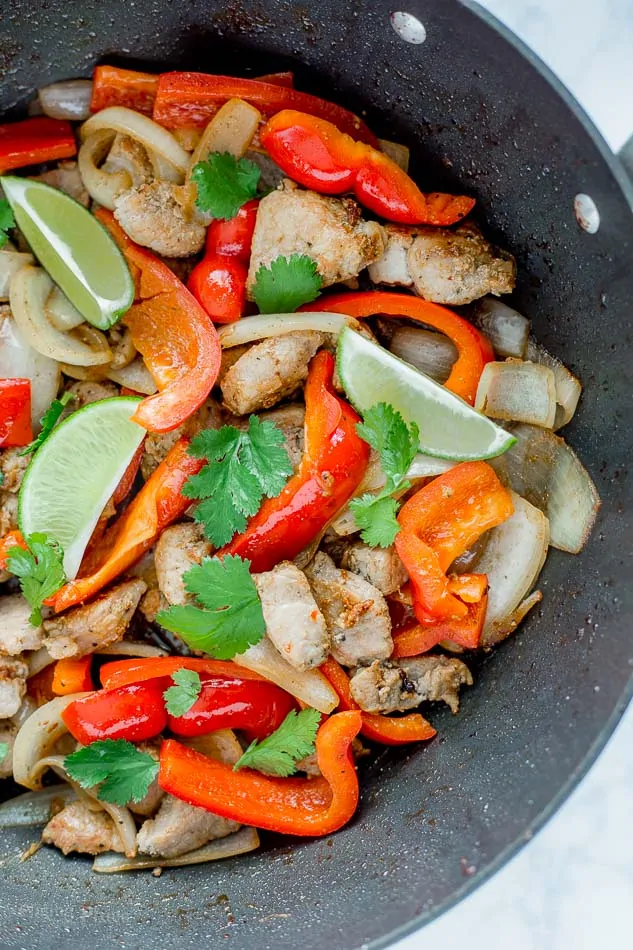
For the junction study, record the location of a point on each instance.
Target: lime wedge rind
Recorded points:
(74, 248)
(449, 427)
(75, 472)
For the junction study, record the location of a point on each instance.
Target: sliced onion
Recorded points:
(310, 687)
(222, 745)
(30, 288)
(61, 313)
(264, 325)
(91, 374)
(568, 386)
(164, 169)
(491, 637)
(513, 559)
(37, 738)
(517, 391)
(188, 138)
(427, 466)
(66, 100)
(231, 130)
(103, 186)
(242, 841)
(506, 329)
(546, 471)
(38, 660)
(398, 153)
(18, 358)
(131, 648)
(154, 137)
(431, 353)
(10, 263)
(134, 376)
(34, 808)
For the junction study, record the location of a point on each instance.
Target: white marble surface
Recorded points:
(572, 886)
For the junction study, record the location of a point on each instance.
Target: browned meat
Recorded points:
(379, 566)
(294, 623)
(12, 468)
(77, 828)
(13, 674)
(8, 511)
(290, 419)
(178, 548)
(156, 215)
(66, 177)
(388, 687)
(154, 795)
(158, 444)
(86, 392)
(179, 828)
(16, 633)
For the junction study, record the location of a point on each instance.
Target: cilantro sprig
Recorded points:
(224, 184)
(40, 570)
(180, 697)
(396, 444)
(122, 771)
(230, 618)
(48, 422)
(7, 221)
(279, 753)
(286, 284)
(243, 467)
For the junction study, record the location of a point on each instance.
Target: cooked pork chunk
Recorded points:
(86, 392)
(379, 566)
(269, 371)
(66, 177)
(387, 687)
(85, 629)
(329, 230)
(8, 511)
(179, 828)
(178, 548)
(16, 633)
(12, 468)
(128, 155)
(77, 828)
(154, 794)
(356, 613)
(294, 623)
(446, 266)
(13, 674)
(289, 419)
(155, 215)
(158, 444)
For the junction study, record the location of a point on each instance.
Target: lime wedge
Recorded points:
(74, 248)
(449, 427)
(75, 472)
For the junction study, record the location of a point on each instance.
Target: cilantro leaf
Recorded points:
(4, 750)
(243, 467)
(7, 221)
(180, 697)
(279, 753)
(40, 569)
(123, 772)
(288, 283)
(376, 516)
(49, 420)
(231, 618)
(225, 183)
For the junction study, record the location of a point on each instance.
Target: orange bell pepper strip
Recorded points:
(383, 729)
(439, 523)
(320, 156)
(415, 638)
(170, 329)
(157, 505)
(473, 349)
(35, 140)
(112, 86)
(333, 465)
(126, 672)
(11, 539)
(72, 676)
(192, 99)
(296, 806)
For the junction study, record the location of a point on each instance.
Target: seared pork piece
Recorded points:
(77, 828)
(179, 828)
(231, 355)
(157, 445)
(155, 215)
(445, 266)
(86, 392)
(12, 468)
(126, 154)
(16, 633)
(379, 566)
(177, 549)
(290, 420)
(65, 176)
(152, 603)
(154, 794)
(294, 623)
(329, 230)
(8, 511)
(356, 612)
(389, 687)
(85, 629)
(13, 674)
(269, 371)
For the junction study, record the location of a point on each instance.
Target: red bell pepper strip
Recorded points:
(124, 672)
(72, 676)
(134, 713)
(332, 467)
(15, 412)
(10, 540)
(414, 638)
(296, 806)
(473, 349)
(383, 729)
(192, 99)
(169, 328)
(157, 505)
(286, 79)
(258, 708)
(112, 86)
(439, 523)
(35, 140)
(320, 156)
(218, 282)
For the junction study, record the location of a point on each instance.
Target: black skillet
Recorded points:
(481, 114)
